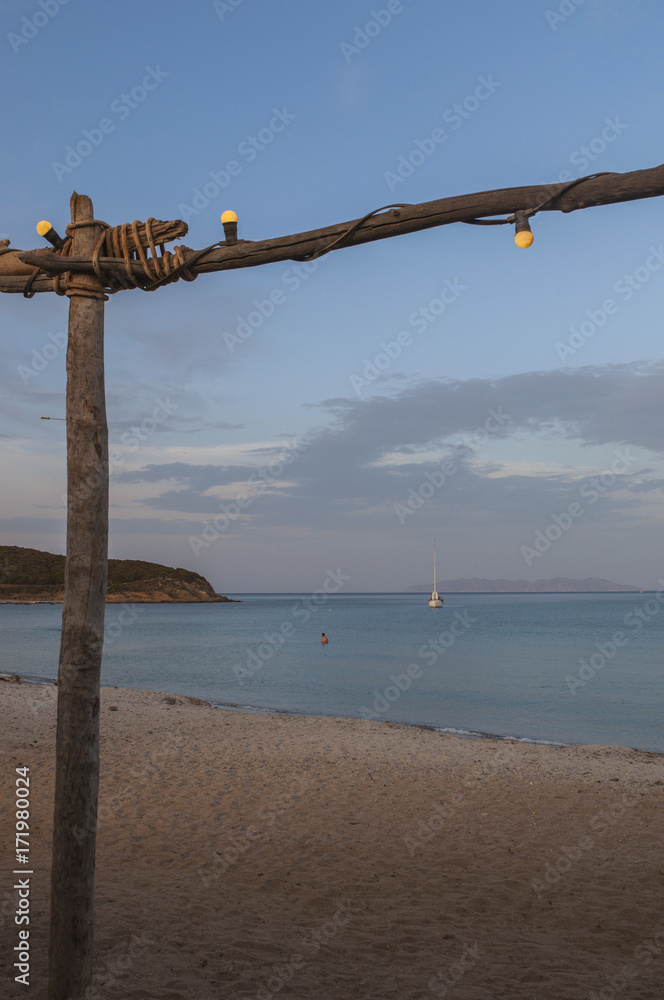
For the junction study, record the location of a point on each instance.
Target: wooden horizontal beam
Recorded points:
(603, 189)
(11, 262)
(9, 283)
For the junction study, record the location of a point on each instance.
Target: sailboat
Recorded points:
(436, 601)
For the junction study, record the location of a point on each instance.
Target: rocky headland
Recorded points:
(30, 576)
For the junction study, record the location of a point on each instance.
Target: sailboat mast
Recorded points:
(435, 601)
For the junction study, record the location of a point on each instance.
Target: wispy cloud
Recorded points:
(371, 451)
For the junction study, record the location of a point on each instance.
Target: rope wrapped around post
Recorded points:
(130, 242)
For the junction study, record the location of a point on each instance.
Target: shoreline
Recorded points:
(112, 599)
(465, 734)
(427, 727)
(243, 855)
(225, 599)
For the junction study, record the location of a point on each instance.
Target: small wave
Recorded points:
(450, 731)
(445, 730)
(231, 706)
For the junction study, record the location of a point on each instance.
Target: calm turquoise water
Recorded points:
(500, 664)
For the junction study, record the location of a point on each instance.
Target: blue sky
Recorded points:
(377, 378)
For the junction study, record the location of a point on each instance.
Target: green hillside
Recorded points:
(33, 568)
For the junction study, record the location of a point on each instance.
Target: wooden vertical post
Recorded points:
(77, 740)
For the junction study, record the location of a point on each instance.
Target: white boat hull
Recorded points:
(436, 601)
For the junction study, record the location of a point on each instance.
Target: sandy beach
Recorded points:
(246, 855)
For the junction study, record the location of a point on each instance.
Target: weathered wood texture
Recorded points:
(77, 741)
(606, 189)
(11, 263)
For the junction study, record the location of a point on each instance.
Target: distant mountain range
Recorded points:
(558, 585)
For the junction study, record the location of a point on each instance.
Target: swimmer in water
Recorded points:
(324, 639)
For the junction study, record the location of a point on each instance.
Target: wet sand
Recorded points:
(244, 855)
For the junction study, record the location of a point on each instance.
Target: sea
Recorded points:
(550, 668)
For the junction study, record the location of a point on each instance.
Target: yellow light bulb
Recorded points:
(229, 217)
(524, 239)
(44, 227)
